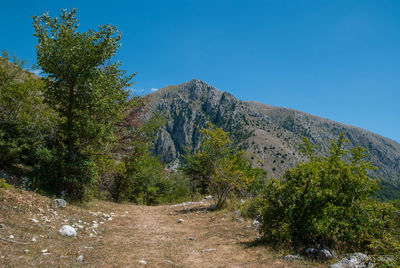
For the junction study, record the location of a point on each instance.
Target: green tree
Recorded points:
(201, 165)
(217, 168)
(87, 90)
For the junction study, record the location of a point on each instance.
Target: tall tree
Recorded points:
(86, 88)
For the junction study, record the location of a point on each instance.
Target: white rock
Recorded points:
(256, 223)
(33, 239)
(44, 250)
(180, 221)
(357, 260)
(79, 226)
(68, 230)
(46, 253)
(26, 250)
(59, 203)
(34, 220)
(80, 258)
(110, 219)
(92, 235)
(143, 262)
(11, 237)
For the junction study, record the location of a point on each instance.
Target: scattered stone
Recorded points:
(68, 230)
(59, 203)
(292, 258)
(110, 218)
(26, 250)
(209, 250)
(44, 250)
(88, 247)
(357, 260)
(191, 238)
(11, 237)
(80, 258)
(180, 221)
(256, 223)
(143, 262)
(169, 261)
(46, 253)
(324, 254)
(34, 220)
(321, 253)
(208, 197)
(33, 239)
(92, 235)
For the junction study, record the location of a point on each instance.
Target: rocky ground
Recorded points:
(125, 235)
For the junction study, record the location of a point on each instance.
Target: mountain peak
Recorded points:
(269, 133)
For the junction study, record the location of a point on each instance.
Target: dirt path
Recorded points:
(204, 239)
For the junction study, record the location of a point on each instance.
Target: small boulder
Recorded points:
(324, 254)
(356, 260)
(256, 223)
(68, 230)
(80, 258)
(143, 262)
(180, 221)
(59, 203)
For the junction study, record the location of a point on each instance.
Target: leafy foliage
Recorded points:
(26, 122)
(216, 167)
(87, 91)
(327, 201)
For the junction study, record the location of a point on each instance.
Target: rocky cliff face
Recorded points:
(268, 133)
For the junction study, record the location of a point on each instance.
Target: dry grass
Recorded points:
(135, 233)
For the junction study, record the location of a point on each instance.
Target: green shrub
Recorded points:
(327, 201)
(4, 184)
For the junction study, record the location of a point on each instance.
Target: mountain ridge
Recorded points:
(269, 133)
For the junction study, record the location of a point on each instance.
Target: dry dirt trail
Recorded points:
(204, 239)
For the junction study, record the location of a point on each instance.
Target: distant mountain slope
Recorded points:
(268, 133)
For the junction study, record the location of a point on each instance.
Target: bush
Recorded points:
(327, 201)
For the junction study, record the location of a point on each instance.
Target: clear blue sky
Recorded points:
(336, 59)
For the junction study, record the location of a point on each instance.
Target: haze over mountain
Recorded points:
(270, 134)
